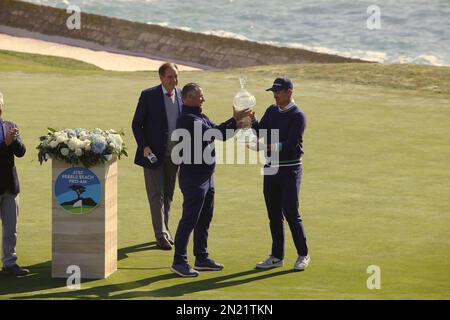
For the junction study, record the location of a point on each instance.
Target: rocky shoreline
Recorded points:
(152, 41)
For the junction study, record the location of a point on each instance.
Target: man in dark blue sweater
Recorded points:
(282, 185)
(197, 165)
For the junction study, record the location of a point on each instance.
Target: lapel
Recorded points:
(4, 129)
(160, 96)
(180, 100)
(161, 105)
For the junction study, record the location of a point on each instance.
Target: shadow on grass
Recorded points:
(40, 280)
(205, 284)
(188, 287)
(123, 252)
(40, 277)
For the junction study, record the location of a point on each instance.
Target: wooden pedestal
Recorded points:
(89, 240)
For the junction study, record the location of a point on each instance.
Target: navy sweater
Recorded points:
(190, 116)
(291, 125)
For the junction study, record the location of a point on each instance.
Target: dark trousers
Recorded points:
(198, 206)
(281, 195)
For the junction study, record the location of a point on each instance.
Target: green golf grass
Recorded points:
(375, 188)
(78, 210)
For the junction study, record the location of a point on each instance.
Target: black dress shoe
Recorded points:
(15, 270)
(164, 244)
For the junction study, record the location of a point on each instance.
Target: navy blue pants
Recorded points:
(281, 195)
(198, 207)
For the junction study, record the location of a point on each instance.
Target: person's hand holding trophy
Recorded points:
(244, 100)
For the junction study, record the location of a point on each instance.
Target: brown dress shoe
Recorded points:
(163, 244)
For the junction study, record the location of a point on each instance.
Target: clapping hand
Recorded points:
(11, 135)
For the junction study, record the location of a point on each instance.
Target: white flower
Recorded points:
(117, 140)
(70, 132)
(54, 144)
(75, 143)
(87, 145)
(64, 152)
(61, 137)
(72, 143)
(97, 131)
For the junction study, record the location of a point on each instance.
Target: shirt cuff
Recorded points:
(276, 147)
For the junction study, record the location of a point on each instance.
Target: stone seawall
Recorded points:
(153, 40)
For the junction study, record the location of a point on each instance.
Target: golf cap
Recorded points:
(281, 83)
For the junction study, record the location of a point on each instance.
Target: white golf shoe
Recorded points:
(269, 263)
(302, 263)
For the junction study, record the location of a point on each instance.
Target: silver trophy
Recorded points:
(244, 100)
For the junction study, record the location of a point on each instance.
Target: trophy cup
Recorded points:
(243, 100)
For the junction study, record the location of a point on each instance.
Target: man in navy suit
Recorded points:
(154, 120)
(197, 180)
(10, 146)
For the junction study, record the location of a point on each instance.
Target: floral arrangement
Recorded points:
(75, 146)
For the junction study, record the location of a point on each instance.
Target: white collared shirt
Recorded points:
(288, 107)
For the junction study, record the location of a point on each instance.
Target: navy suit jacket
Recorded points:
(150, 126)
(9, 181)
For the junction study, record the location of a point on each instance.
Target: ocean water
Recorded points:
(410, 31)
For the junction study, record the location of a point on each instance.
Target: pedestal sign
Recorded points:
(84, 219)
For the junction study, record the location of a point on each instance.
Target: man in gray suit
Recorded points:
(10, 146)
(154, 120)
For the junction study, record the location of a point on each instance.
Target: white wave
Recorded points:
(219, 33)
(163, 24)
(374, 56)
(426, 59)
(226, 34)
(368, 55)
(167, 25)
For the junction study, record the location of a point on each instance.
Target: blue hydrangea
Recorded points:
(98, 146)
